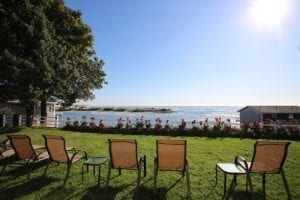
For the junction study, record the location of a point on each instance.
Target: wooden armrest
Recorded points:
(36, 147)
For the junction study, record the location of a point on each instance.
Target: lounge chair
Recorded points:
(268, 158)
(171, 156)
(56, 147)
(24, 150)
(124, 155)
(4, 151)
(5, 154)
(3, 144)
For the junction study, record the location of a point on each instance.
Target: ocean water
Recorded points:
(188, 113)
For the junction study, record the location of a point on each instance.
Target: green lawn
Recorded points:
(203, 154)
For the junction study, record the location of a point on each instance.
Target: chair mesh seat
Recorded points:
(25, 151)
(124, 155)
(171, 156)
(58, 152)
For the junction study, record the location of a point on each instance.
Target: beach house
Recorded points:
(12, 113)
(285, 114)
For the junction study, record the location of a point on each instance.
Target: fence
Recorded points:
(20, 120)
(47, 122)
(58, 122)
(12, 120)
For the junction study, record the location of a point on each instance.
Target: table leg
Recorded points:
(99, 175)
(216, 174)
(225, 182)
(82, 173)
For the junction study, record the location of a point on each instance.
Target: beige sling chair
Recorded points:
(56, 147)
(124, 155)
(5, 154)
(25, 151)
(268, 158)
(171, 156)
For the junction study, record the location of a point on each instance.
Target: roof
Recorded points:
(272, 109)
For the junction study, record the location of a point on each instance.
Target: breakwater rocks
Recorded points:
(134, 110)
(154, 110)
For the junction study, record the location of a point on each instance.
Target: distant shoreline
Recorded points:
(133, 110)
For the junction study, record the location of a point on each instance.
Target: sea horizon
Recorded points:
(186, 113)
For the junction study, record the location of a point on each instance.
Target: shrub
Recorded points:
(220, 129)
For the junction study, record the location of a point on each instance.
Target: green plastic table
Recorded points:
(94, 161)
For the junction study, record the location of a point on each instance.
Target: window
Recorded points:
(50, 109)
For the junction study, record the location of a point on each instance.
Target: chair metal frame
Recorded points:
(280, 170)
(30, 157)
(3, 144)
(70, 158)
(5, 154)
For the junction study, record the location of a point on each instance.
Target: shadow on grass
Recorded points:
(25, 188)
(20, 168)
(61, 192)
(243, 195)
(144, 193)
(7, 130)
(95, 192)
(161, 192)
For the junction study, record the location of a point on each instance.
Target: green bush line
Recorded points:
(265, 133)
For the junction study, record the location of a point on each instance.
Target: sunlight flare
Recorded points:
(269, 13)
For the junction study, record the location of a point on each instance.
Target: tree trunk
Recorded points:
(44, 112)
(29, 115)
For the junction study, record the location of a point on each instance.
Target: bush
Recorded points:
(218, 130)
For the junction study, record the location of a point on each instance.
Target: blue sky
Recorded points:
(174, 52)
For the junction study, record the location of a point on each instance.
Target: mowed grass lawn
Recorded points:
(202, 153)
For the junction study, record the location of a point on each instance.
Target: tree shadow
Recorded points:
(234, 193)
(122, 187)
(25, 188)
(95, 192)
(237, 195)
(61, 192)
(145, 193)
(7, 130)
(161, 192)
(20, 168)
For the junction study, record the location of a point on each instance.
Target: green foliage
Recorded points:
(143, 127)
(202, 153)
(46, 50)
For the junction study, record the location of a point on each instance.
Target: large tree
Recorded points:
(46, 50)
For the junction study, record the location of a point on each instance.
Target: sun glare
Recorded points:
(269, 13)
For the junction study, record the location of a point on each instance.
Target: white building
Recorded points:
(274, 113)
(14, 114)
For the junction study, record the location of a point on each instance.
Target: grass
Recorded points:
(203, 154)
